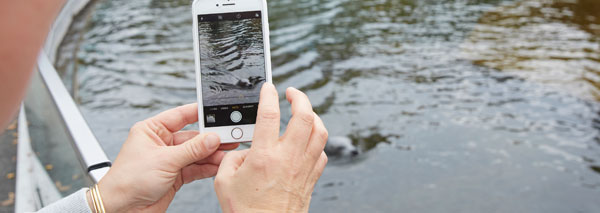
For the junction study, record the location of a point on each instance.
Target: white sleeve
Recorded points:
(74, 203)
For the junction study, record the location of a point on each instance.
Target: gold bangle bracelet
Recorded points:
(97, 199)
(94, 203)
(93, 207)
(101, 202)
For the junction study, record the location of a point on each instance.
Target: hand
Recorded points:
(157, 159)
(277, 174)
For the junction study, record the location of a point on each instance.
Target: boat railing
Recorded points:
(90, 153)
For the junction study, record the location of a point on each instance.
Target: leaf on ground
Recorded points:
(10, 200)
(49, 167)
(10, 176)
(12, 126)
(60, 187)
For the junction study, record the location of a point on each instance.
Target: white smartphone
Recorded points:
(233, 61)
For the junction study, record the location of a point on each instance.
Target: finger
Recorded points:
(196, 172)
(266, 131)
(229, 146)
(301, 125)
(183, 136)
(231, 162)
(194, 149)
(177, 118)
(318, 169)
(318, 139)
(214, 159)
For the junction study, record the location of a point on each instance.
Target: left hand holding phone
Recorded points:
(157, 159)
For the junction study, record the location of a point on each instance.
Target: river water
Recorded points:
(457, 106)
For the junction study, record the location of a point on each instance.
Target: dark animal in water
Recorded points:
(237, 83)
(249, 83)
(339, 146)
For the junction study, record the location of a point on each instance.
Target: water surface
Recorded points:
(458, 106)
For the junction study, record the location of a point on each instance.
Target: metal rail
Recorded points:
(90, 151)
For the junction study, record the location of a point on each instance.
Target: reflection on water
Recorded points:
(457, 106)
(554, 42)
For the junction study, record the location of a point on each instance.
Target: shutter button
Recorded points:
(236, 116)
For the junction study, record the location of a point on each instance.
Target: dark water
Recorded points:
(458, 106)
(233, 61)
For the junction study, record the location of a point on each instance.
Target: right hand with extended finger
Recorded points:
(277, 174)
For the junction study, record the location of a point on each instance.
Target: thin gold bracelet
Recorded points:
(100, 199)
(93, 196)
(97, 199)
(96, 202)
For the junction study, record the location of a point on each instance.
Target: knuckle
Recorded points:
(164, 134)
(307, 118)
(260, 163)
(322, 160)
(194, 150)
(269, 114)
(138, 126)
(219, 182)
(323, 134)
(294, 173)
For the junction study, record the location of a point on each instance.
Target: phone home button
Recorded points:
(237, 133)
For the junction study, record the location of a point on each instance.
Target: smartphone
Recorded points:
(233, 61)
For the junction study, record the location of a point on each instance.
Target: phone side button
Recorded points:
(237, 133)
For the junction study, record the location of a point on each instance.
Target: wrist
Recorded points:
(268, 207)
(114, 197)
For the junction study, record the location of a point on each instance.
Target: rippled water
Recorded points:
(233, 61)
(458, 106)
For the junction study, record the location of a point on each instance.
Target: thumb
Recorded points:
(195, 149)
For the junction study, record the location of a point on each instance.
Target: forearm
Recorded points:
(25, 25)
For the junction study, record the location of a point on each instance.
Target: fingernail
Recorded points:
(268, 84)
(211, 142)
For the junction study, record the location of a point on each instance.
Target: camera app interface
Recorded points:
(232, 67)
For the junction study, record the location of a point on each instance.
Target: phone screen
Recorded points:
(232, 65)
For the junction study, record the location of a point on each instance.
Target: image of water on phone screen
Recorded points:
(231, 59)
